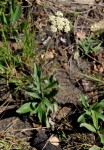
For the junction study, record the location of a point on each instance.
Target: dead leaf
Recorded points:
(87, 85)
(38, 2)
(50, 54)
(87, 2)
(76, 55)
(81, 35)
(63, 113)
(54, 140)
(100, 57)
(97, 26)
(46, 41)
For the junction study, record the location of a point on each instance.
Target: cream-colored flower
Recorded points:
(66, 21)
(59, 27)
(59, 23)
(59, 13)
(52, 18)
(53, 28)
(67, 28)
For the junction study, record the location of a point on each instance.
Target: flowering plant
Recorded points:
(59, 23)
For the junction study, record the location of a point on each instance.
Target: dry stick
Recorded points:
(47, 142)
(29, 129)
(10, 124)
(91, 57)
(5, 108)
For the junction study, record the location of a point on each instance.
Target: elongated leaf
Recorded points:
(48, 104)
(88, 126)
(36, 77)
(53, 93)
(52, 84)
(55, 105)
(31, 88)
(34, 95)
(95, 148)
(95, 119)
(98, 105)
(17, 13)
(84, 101)
(101, 137)
(101, 116)
(33, 105)
(25, 108)
(81, 118)
(42, 112)
(4, 18)
(47, 123)
(36, 73)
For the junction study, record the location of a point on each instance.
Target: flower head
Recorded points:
(59, 13)
(59, 23)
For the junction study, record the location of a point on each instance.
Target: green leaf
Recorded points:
(16, 14)
(52, 84)
(88, 112)
(36, 77)
(35, 108)
(31, 88)
(25, 108)
(47, 123)
(84, 101)
(42, 112)
(55, 106)
(81, 118)
(88, 126)
(34, 95)
(95, 119)
(2, 70)
(36, 73)
(33, 105)
(4, 18)
(53, 93)
(98, 105)
(95, 148)
(48, 104)
(101, 116)
(101, 137)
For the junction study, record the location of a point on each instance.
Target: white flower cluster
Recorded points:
(59, 23)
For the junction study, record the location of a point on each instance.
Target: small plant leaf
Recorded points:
(34, 108)
(101, 137)
(95, 148)
(84, 101)
(47, 123)
(25, 108)
(33, 105)
(48, 104)
(36, 73)
(98, 105)
(81, 118)
(53, 93)
(100, 116)
(55, 105)
(42, 112)
(34, 95)
(52, 84)
(95, 119)
(88, 126)
(17, 13)
(31, 88)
